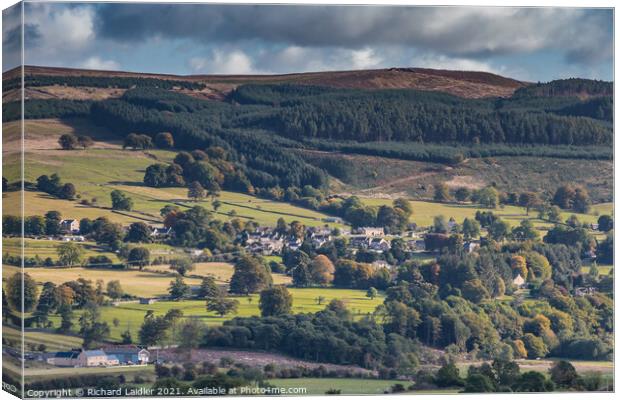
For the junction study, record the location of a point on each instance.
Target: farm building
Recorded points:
(128, 354)
(64, 358)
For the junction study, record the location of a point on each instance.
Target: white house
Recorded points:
(70, 225)
(96, 358)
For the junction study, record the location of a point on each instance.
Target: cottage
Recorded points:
(70, 226)
(420, 245)
(128, 354)
(372, 231)
(518, 281)
(64, 358)
(334, 220)
(144, 300)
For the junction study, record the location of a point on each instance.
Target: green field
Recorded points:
(131, 315)
(97, 171)
(52, 341)
(425, 211)
(318, 386)
(47, 248)
(134, 282)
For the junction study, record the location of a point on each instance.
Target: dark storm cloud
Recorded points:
(472, 32)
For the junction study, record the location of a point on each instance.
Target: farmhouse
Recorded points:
(70, 226)
(128, 354)
(96, 358)
(145, 300)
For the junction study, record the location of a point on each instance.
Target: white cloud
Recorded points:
(62, 29)
(223, 62)
(100, 64)
(365, 58)
(312, 59)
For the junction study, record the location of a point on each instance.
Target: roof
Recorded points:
(127, 349)
(94, 353)
(65, 354)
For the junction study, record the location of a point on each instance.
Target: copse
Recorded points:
(68, 141)
(120, 201)
(250, 276)
(139, 257)
(572, 197)
(164, 140)
(275, 301)
(21, 298)
(182, 265)
(138, 141)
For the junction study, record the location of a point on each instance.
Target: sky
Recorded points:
(531, 44)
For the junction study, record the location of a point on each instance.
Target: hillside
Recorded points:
(460, 83)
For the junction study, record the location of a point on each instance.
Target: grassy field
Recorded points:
(131, 315)
(604, 367)
(425, 211)
(105, 167)
(221, 271)
(47, 248)
(318, 386)
(135, 282)
(52, 341)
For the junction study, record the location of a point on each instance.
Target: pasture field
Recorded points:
(49, 372)
(52, 341)
(347, 386)
(131, 315)
(38, 203)
(606, 368)
(47, 248)
(97, 171)
(221, 271)
(137, 283)
(246, 207)
(425, 211)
